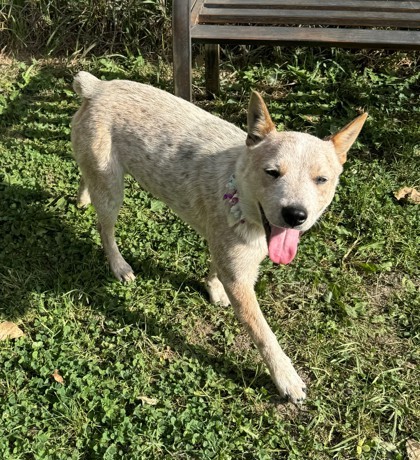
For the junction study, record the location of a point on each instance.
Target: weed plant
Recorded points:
(153, 371)
(80, 27)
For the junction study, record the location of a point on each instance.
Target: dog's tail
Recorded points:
(85, 84)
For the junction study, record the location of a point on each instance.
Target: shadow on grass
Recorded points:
(41, 254)
(41, 106)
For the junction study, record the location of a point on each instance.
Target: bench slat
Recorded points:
(344, 38)
(337, 23)
(338, 5)
(280, 16)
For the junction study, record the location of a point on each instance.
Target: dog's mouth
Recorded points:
(282, 242)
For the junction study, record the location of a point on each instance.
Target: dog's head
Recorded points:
(292, 176)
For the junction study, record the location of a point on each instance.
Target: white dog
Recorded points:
(247, 194)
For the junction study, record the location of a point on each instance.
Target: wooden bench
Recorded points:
(379, 24)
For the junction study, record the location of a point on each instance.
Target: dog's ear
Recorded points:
(345, 138)
(259, 120)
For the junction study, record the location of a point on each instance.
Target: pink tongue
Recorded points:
(282, 246)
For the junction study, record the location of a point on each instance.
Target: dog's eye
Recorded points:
(320, 180)
(273, 173)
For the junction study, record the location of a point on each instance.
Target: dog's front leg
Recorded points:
(216, 289)
(247, 309)
(236, 264)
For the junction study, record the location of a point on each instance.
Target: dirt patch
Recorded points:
(242, 344)
(383, 289)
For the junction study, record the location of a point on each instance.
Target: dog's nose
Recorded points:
(294, 215)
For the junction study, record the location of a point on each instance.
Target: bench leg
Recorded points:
(212, 64)
(181, 13)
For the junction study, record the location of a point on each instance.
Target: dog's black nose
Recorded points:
(294, 215)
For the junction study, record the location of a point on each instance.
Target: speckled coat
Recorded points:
(187, 157)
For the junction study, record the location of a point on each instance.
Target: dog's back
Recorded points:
(167, 144)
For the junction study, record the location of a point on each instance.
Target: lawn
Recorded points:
(152, 370)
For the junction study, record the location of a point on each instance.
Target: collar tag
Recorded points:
(231, 198)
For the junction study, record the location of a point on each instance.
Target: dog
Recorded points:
(247, 193)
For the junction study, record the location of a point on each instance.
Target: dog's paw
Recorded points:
(123, 272)
(83, 199)
(217, 293)
(290, 385)
(83, 202)
(220, 299)
(128, 277)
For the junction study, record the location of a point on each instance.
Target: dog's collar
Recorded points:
(231, 197)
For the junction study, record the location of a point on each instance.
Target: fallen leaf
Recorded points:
(57, 377)
(409, 194)
(413, 449)
(150, 401)
(9, 330)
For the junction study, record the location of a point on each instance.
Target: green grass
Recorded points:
(346, 310)
(82, 27)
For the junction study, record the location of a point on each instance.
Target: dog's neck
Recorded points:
(235, 215)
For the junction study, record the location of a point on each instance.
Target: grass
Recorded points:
(151, 370)
(82, 27)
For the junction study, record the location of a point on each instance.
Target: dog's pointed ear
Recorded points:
(345, 138)
(259, 120)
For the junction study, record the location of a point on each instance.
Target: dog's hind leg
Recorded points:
(107, 194)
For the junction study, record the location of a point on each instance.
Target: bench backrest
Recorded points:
(354, 13)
